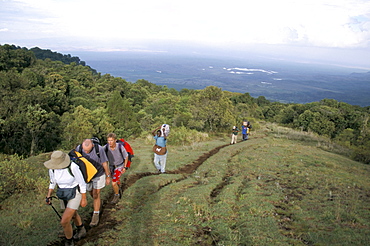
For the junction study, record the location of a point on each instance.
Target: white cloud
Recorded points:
(327, 23)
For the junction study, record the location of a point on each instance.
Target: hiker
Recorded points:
(160, 149)
(118, 159)
(245, 130)
(96, 152)
(67, 174)
(234, 135)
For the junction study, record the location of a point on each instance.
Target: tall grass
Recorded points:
(322, 142)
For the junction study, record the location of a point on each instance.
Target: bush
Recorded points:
(16, 176)
(183, 136)
(361, 154)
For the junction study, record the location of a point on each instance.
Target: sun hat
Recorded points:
(58, 160)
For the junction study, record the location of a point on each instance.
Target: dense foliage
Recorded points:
(56, 102)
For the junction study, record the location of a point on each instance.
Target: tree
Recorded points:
(211, 110)
(346, 137)
(122, 116)
(321, 125)
(162, 104)
(36, 119)
(262, 101)
(305, 119)
(76, 127)
(12, 57)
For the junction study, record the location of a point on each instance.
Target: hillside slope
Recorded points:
(269, 190)
(278, 188)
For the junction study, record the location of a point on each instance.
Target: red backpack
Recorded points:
(127, 146)
(129, 150)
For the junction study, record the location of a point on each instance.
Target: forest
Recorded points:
(52, 101)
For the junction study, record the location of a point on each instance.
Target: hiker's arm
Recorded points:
(107, 172)
(125, 165)
(48, 196)
(83, 200)
(52, 185)
(154, 132)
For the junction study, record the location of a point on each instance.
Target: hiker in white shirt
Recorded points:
(67, 175)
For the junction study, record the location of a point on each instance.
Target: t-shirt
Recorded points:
(115, 157)
(64, 179)
(235, 131)
(244, 129)
(160, 141)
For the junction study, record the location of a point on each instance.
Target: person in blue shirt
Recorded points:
(160, 149)
(245, 130)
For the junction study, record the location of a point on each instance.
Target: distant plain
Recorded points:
(276, 79)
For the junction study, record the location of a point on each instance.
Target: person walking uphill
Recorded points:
(67, 175)
(96, 152)
(245, 130)
(118, 159)
(234, 135)
(160, 149)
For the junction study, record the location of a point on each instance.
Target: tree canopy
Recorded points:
(49, 100)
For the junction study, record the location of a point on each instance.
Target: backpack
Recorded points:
(89, 168)
(128, 148)
(166, 129)
(96, 143)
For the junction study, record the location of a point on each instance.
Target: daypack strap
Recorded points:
(69, 169)
(96, 147)
(120, 146)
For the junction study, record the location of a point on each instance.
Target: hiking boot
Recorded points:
(69, 242)
(115, 199)
(80, 233)
(94, 220)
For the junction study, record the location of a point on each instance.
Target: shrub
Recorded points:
(15, 176)
(182, 136)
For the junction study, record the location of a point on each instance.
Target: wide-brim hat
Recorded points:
(58, 160)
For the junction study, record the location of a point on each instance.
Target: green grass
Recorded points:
(278, 188)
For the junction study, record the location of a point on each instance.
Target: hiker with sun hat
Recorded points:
(71, 192)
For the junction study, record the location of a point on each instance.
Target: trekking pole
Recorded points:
(48, 199)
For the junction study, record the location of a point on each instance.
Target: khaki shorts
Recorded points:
(97, 183)
(73, 203)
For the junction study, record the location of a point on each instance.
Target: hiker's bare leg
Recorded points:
(97, 201)
(66, 222)
(77, 219)
(115, 187)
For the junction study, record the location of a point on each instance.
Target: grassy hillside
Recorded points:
(278, 188)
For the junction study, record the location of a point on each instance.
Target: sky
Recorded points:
(330, 30)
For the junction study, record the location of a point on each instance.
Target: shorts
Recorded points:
(73, 203)
(96, 183)
(116, 173)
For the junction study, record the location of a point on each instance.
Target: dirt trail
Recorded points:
(108, 223)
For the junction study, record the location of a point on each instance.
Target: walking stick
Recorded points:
(48, 199)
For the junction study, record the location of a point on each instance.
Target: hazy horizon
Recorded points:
(276, 79)
(320, 31)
